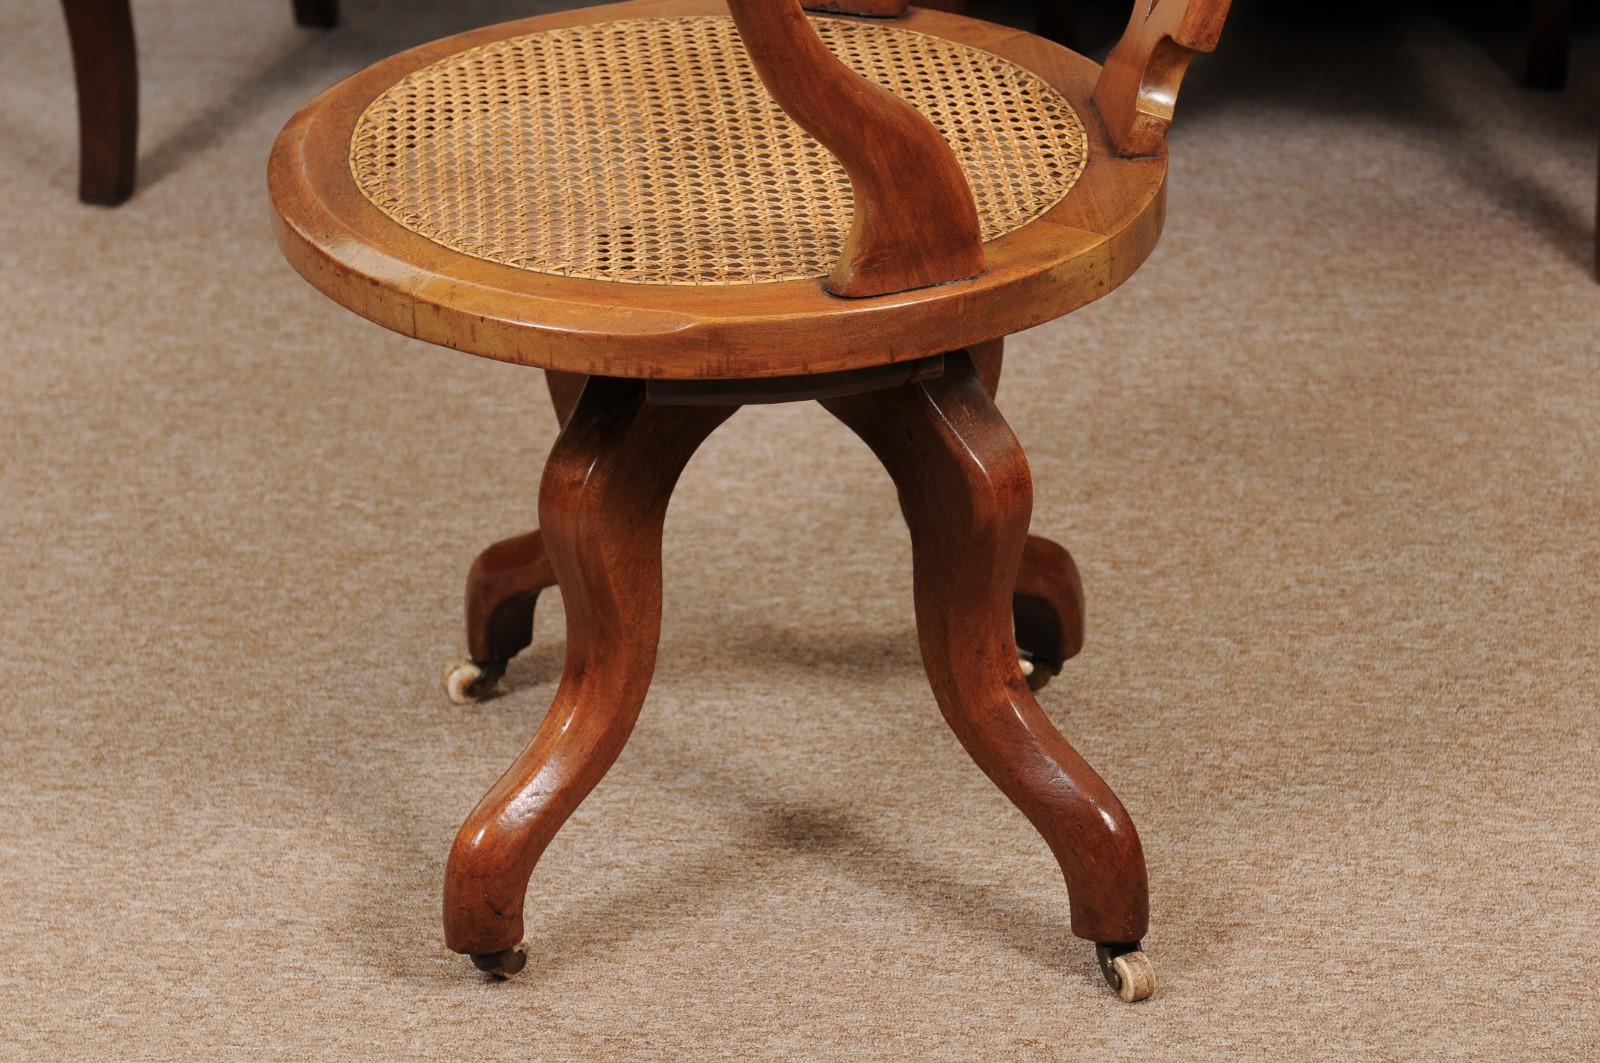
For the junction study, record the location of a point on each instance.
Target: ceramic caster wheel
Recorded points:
(1038, 671)
(468, 681)
(501, 964)
(1127, 970)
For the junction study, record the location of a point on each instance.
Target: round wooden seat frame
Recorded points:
(1086, 245)
(902, 343)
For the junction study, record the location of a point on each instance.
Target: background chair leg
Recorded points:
(602, 502)
(1549, 44)
(323, 14)
(966, 494)
(107, 72)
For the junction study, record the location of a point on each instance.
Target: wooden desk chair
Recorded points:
(610, 194)
(105, 64)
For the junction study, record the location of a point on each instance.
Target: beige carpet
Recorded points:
(1330, 464)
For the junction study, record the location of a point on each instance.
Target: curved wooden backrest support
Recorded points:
(915, 222)
(1139, 83)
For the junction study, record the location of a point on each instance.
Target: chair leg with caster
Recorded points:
(1047, 611)
(602, 502)
(503, 587)
(966, 494)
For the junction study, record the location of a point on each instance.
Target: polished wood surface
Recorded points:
(915, 222)
(601, 505)
(107, 72)
(1139, 85)
(1079, 250)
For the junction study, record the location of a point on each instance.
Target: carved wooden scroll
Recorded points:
(1139, 85)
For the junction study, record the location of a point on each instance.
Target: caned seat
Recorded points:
(614, 191)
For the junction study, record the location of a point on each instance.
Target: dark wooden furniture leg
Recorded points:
(106, 67)
(323, 14)
(1549, 40)
(967, 495)
(602, 501)
(105, 64)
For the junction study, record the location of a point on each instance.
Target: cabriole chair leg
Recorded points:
(602, 502)
(966, 493)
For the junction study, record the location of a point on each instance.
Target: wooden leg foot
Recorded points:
(601, 505)
(966, 494)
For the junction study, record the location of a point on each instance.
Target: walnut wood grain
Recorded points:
(1138, 87)
(915, 223)
(106, 68)
(966, 493)
(602, 501)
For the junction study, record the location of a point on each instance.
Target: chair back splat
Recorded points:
(915, 223)
(1139, 85)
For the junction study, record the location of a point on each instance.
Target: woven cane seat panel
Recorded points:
(648, 151)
